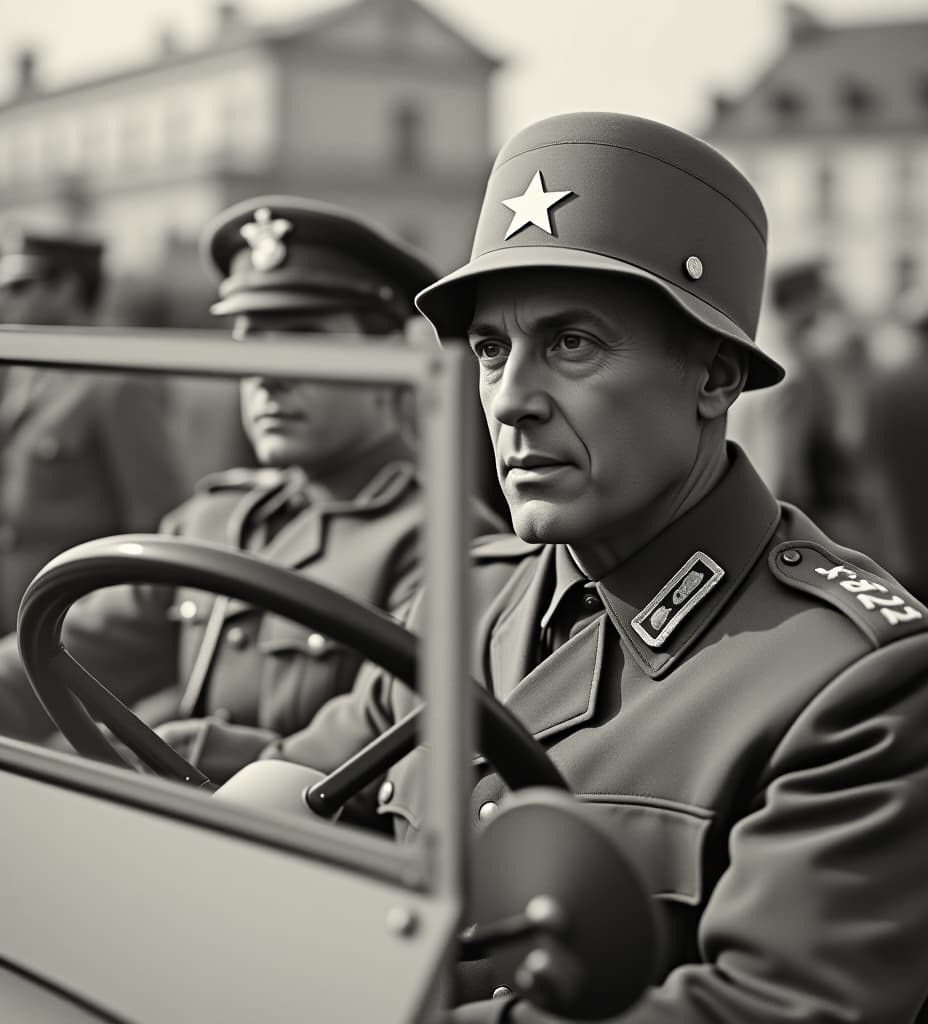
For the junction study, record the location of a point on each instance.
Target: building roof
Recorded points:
(243, 34)
(835, 79)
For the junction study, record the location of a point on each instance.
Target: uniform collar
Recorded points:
(671, 582)
(350, 480)
(566, 574)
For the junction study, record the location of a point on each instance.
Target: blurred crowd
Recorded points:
(841, 436)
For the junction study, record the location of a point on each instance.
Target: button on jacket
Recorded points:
(765, 765)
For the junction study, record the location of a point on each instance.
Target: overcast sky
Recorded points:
(657, 58)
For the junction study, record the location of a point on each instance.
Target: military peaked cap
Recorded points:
(28, 256)
(620, 194)
(283, 253)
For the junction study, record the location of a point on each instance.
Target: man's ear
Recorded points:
(723, 378)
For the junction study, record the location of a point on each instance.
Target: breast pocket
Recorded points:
(664, 842)
(303, 669)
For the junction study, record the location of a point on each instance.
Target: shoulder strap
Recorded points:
(875, 602)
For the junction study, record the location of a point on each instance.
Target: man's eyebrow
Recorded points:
(483, 328)
(572, 317)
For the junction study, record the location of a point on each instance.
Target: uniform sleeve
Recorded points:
(822, 914)
(138, 452)
(342, 726)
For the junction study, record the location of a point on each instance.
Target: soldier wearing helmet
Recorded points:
(336, 496)
(740, 701)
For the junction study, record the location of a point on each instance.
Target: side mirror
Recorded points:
(558, 909)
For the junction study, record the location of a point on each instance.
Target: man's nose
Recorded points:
(519, 394)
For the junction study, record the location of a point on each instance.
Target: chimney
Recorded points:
(228, 18)
(802, 25)
(723, 105)
(167, 42)
(25, 72)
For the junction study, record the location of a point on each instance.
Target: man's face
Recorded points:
(590, 403)
(314, 425)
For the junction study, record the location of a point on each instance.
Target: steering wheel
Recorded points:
(71, 694)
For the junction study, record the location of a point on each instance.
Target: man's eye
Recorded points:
(487, 350)
(570, 341)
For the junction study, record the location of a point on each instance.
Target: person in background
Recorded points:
(896, 428)
(82, 455)
(336, 497)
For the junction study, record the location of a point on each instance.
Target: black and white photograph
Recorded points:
(462, 498)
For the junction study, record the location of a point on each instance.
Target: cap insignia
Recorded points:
(263, 236)
(533, 206)
(676, 599)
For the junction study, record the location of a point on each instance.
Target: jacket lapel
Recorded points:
(299, 541)
(560, 693)
(236, 534)
(514, 637)
(302, 540)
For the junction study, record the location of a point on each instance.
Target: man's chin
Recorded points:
(540, 522)
(273, 453)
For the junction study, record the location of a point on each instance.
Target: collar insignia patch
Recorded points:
(263, 236)
(533, 207)
(676, 599)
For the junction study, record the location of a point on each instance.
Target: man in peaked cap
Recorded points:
(336, 497)
(739, 701)
(82, 455)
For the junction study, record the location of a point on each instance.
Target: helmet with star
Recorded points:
(610, 193)
(287, 254)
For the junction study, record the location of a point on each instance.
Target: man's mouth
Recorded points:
(532, 460)
(277, 416)
(533, 467)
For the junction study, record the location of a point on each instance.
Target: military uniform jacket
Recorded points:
(764, 761)
(81, 456)
(201, 655)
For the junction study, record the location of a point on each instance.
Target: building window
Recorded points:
(132, 139)
(92, 144)
(787, 102)
(905, 184)
(858, 99)
(825, 189)
(906, 272)
(407, 136)
(176, 131)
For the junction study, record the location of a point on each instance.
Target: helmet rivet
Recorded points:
(693, 267)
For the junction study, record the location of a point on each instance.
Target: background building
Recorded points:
(834, 135)
(378, 105)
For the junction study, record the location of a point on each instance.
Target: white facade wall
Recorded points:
(877, 215)
(451, 111)
(169, 119)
